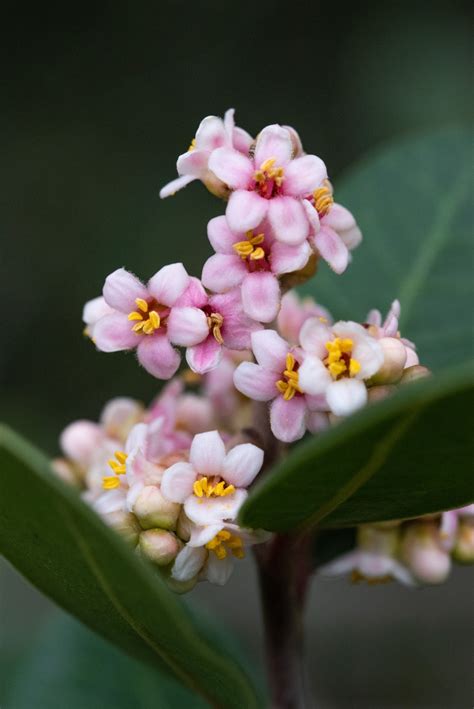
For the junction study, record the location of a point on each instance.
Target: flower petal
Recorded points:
(286, 259)
(313, 337)
(95, 309)
(202, 535)
(288, 219)
(245, 210)
(211, 133)
(241, 465)
(193, 163)
(346, 396)
(366, 350)
(241, 140)
(187, 326)
(237, 326)
(121, 289)
(204, 357)
(261, 296)
(214, 510)
(270, 350)
(194, 295)
(175, 185)
(339, 218)
(218, 571)
(222, 272)
(231, 167)
(177, 482)
(113, 333)
(169, 283)
(255, 381)
(303, 175)
(207, 453)
(189, 563)
(158, 357)
(287, 418)
(80, 440)
(221, 236)
(332, 249)
(273, 142)
(314, 378)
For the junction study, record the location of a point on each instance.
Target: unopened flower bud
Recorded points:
(423, 553)
(159, 546)
(120, 415)
(183, 527)
(463, 551)
(66, 472)
(215, 186)
(154, 510)
(411, 374)
(80, 440)
(125, 523)
(378, 393)
(395, 357)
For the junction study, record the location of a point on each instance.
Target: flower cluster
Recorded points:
(180, 470)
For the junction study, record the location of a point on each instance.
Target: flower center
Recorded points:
(289, 384)
(147, 317)
(109, 482)
(225, 542)
(339, 360)
(250, 248)
(323, 199)
(212, 487)
(215, 322)
(268, 179)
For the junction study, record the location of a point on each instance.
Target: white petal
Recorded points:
(242, 464)
(178, 480)
(217, 570)
(346, 396)
(270, 349)
(169, 283)
(189, 563)
(207, 453)
(214, 510)
(199, 536)
(313, 337)
(314, 378)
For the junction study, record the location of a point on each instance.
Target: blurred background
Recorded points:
(97, 102)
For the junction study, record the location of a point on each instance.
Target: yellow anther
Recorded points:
(155, 319)
(135, 316)
(224, 535)
(197, 488)
(205, 486)
(138, 326)
(257, 254)
(290, 361)
(110, 482)
(289, 386)
(119, 465)
(250, 248)
(268, 164)
(323, 199)
(215, 322)
(339, 361)
(192, 145)
(142, 304)
(243, 248)
(354, 367)
(281, 386)
(225, 542)
(220, 551)
(255, 240)
(336, 369)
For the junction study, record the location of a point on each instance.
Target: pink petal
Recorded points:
(194, 295)
(121, 289)
(273, 142)
(303, 175)
(95, 309)
(270, 349)
(221, 237)
(339, 218)
(237, 326)
(175, 185)
(204, 357)
(113, 333)
(231, 167)
(287, 418)
(211, 134)
(187, 326)
(207, 453)
(351, 237)
(332, 249)
(312, 216)
(157, 356)
(261, 296)
(169, 283)
(212, 510)
(286, 259)
(193, 163)
(241, 465)
(229, 124)
(245, 210)
(288, 220)
(313, 337)
(80, 440)
(256, 382)
(241, 140)
(177, 482)
(222, 272)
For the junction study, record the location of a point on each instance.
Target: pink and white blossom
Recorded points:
(275, 378)
(140, 315)
(205, 324)
(337, 361)
(252, 260)
(212, 485)
(213, 133)
(294, 312)
(388, 328)
(271, 184)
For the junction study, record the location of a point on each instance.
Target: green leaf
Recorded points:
(406, 456)
(63, 548)
(68, 666)
(413, 203)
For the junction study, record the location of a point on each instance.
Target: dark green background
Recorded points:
(97, 102)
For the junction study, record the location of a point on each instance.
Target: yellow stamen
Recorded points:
(246, 249)
(205, 487)
(354, 367)
(257, 254)
(339, 360)
(119, 465)
(268, 171)
(142, 304)
(135, 316)
(192, 145)
(323, 199)
(289, 386)
(215, 322)
(225, 542)
(110, 482)
(144, 326)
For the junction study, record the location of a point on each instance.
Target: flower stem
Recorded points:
(284, 572)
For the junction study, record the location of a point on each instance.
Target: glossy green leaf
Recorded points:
(62, 547)
(413, 202)
(408, 455)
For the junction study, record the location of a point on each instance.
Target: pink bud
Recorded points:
(80, 440)
(423, 553)
(395, 357)
(125, 523)
(463, 551)
(411, 374)
(154, 510)
(66, 472)
(159, 546)
(120, 415)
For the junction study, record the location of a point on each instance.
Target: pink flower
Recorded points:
(389, 328)
(212, 486)
(337, 362)
(213, 133)
(93, 311)
(294, 312)
(334, 231)
(275, 378)
(273, 184)
(205, 324)
(252, 260)
(140, 317)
